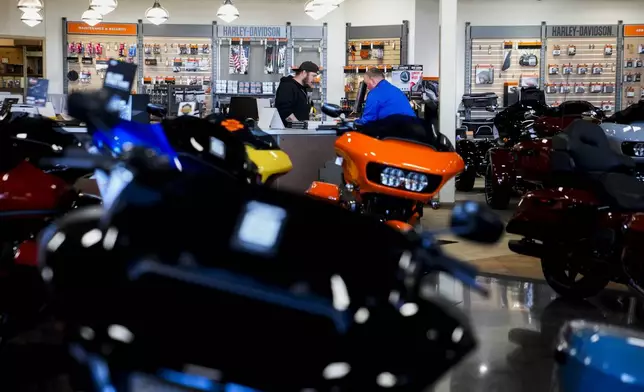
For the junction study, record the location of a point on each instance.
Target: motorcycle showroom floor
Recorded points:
(516, 325)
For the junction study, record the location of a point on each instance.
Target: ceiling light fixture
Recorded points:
(157, 14)
(228, 12)
(92, 17)
(103, 7)
(26, 5)
(31, 18)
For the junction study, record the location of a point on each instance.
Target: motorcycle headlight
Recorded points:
(416, 182)
(397, 178)
(392, 177)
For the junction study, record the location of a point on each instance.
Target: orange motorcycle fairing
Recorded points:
(358, 151)
(324, 191)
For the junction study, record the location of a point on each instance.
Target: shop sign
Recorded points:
(405, 77)
(634, 31)
(582, 31)
(251, 31)
(102, 28)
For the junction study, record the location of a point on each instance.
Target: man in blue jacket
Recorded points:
(384, 99)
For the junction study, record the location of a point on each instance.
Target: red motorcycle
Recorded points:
(585, 228)
(31, 195)
(522, 164)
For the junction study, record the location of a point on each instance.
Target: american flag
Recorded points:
(235, 60)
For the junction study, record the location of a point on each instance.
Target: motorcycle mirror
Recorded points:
(332, 110)
(157, 110)
(476, 222)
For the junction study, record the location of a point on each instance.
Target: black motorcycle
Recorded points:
(474, 154)
(154, 299)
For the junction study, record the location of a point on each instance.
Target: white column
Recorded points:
(448, 80)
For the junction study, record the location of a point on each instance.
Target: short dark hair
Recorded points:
(375, 73)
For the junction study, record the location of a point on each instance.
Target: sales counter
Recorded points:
(309, 151)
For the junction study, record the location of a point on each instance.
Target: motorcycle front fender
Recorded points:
(324, 191)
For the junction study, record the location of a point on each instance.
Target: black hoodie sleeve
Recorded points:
(285, 99)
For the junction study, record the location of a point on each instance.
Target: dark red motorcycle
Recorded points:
(31, 195)
(584, 228)
(522, 163)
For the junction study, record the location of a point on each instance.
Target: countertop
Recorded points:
(273, 132)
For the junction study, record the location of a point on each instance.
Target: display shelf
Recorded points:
(249, 67)
(497, 63)
(171, 96)
(373, 52)
(590, 74)
(88, 49)
(353, 77)
(632, 68)
(179, 60)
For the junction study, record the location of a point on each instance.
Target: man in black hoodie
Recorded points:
(291, 100)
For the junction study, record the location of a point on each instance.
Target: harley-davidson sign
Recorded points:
(583, 31)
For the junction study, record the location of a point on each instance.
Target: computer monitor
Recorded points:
(360, 97)
(243, 108)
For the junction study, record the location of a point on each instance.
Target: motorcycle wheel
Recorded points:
(465, 181)
(496, 196)
(563, 271)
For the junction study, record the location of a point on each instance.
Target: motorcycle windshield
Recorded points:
(142, 135)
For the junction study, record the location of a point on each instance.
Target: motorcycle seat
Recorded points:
(588, 146)
(624, 191)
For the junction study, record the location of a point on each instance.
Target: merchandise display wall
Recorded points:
(177, 65)
(633, 57)
(499, 59)
(526, 13)
(366, 48)
(582, 66)
(87, 50)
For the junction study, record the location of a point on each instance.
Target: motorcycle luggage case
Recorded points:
(480, 100)
(480, 127)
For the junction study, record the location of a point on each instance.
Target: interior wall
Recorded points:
(426, 36)
(277, 12)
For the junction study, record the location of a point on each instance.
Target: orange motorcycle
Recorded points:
(391, 168)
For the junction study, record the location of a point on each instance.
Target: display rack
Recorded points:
(501, 59)
(582, 63)
(87, 49)
(249, 61)
(177, 65)
(632, 59)
(309, 43)
(373, 46)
